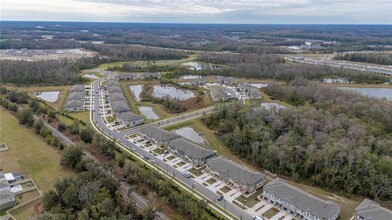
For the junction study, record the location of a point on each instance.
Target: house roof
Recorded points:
(6, 197)
(369, 209)
(190, 149)
(150, 74)
(74, 104)
(116, 96)
(302, 200)
(231, 170)
(112, 83)
(120, 106)
(158, 134)
(76, 88)
(114, 89)
(75, 96)
(126, 75)
(128, 117)
(4, 183)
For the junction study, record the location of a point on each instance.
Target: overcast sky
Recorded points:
(202, 11)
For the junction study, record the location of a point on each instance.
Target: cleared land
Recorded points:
(29, 154)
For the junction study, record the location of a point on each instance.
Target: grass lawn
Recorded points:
(29, 154)
(84, 116)
(211, 181)
(251, 200)
(26, 211)
(182, 163)
(225, 189)
(159, 151)
(270, 212)
(140, 140)
(196, 172)
(110, 119)
(148, 145)
(171, 157)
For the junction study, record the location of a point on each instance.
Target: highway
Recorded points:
(169, 171)
(379, 69)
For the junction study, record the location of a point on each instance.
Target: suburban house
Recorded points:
(149, 75)
(7, 199)
(225, 81)
(75, 99)
(157, 135)
(12, 177)
(120, 107)
(198, 82)
(76, 88)
(74, 106)
(129, 119)
(298, 202)
(117, 96)
(235, 175)
(114, 89)
(190, 152)
(370, 210)
(126, 76)
(219, 93)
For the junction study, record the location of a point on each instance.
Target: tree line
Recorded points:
(377, 58)
(269, 66)
(324, 143)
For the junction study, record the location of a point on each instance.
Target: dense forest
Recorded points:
(377, 58)
(340, 142)
(269, 66)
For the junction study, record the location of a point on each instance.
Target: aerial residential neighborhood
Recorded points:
(195, 110)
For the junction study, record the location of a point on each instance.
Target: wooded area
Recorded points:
(340, 142)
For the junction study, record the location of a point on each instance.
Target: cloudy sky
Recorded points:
(202, 11)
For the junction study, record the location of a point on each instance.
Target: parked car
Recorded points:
(186, 174)
(220, 198)
(147, 158)
(257, 218)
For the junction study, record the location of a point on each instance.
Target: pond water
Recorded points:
(48, 96)
(90, 76)
(136, 90)
(191, 77)
(259, 85)
(190, 134)
(148, 112)
(173, 92)
(372, 92)
(271, 105)
(200, 65)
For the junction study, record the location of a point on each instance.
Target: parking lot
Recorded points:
(229, 193)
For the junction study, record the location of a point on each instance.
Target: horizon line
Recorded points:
(193, 23)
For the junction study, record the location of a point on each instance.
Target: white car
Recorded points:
(186, 174)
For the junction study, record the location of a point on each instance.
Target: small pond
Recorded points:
(372, 92)
(201, 65)
(148, 112)
(51, 96)
(259, 85)
(190, 134)
(191, 77)
(136, 90)
(90, 76)
(175, 93)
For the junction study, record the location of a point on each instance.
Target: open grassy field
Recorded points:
(29, 154)
(84, 116)
(30, 89)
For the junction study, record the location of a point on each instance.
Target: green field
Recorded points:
(29, 154)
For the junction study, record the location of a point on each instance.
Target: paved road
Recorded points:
(98, 121)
